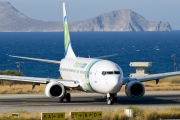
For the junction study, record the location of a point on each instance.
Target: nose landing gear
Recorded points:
(111, 98)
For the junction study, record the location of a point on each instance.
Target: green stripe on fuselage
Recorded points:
(87, 75)
(66, 34)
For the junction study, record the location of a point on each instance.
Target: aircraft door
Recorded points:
(95, 80)
(93, 77)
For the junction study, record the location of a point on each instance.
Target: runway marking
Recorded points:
(31, 103)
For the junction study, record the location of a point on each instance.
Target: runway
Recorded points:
(87, 102)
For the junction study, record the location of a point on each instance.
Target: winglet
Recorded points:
(69, 53)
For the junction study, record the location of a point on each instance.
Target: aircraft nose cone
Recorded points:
(114, 85)
(113, 82)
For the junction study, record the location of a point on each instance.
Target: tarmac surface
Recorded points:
(87, 102)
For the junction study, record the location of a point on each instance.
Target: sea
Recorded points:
(155, 47)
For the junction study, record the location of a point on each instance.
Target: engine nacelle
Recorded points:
(134, 89)
(54, 89)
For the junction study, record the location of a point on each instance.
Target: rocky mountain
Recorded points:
(11, 20)
(121, 20)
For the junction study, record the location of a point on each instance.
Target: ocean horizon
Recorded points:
(155, 47)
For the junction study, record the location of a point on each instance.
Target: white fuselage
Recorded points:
(94, 75)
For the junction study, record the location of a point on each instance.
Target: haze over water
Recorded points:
(155, 47)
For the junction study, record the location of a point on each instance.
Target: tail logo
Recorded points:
(66, 34)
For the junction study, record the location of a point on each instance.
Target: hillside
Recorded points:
(11, 20)
(121, 20)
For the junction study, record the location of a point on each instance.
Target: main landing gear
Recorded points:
(67, 97)
(111, 98)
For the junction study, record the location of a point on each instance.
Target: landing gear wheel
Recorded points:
(68, 97)
(61, 100)
(111, 98)
(110, 101)
(115, 99)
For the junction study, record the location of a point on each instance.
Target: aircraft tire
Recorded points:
(115, 99)
(61, 100)
(68, 97)
(110, 101)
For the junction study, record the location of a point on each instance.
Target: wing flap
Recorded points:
(67, 83)
(37, 59)
(24, 79)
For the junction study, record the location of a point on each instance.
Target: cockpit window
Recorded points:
(103, 72)
(116, 72)
(110, 72)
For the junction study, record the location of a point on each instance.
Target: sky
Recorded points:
(51, 10)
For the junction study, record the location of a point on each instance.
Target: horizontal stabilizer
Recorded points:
(106, 56)
(37, 59)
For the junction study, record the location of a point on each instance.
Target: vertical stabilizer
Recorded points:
(69, 53)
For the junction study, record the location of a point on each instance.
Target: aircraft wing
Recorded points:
(37, 59)
(67, 83)
(157, 76)
(151, 77)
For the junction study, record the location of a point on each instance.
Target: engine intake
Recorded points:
(134, 89)
(54, 89)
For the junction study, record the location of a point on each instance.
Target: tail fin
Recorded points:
(69, 53)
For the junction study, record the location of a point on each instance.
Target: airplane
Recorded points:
(87, 74)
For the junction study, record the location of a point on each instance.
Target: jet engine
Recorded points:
(55, 89)
(134, 89)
